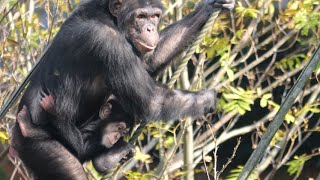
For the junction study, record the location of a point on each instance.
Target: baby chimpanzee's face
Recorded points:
(112, 132)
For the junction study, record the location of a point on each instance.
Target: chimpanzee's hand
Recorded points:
(130, 150)
(211, 96)
(228, 4)
(106, 161)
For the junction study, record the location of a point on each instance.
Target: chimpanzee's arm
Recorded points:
(133, 86)
(99, 43)
(179, 35)
(109, 159)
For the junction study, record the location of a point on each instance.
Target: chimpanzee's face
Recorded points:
(140, 21)
(112, 132)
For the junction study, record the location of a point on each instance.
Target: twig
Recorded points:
(15, 170)
(4, 153)
(258, 61)
(231, 158)
(52, 21)
(205, 166)
(266, 71)
(4, 16)
(265, 163)
(22, 170)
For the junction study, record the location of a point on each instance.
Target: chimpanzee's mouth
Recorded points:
(109, 143)
(146, 47)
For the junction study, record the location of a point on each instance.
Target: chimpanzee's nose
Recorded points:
(150, 28)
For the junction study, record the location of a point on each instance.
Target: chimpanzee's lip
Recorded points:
(110, 143)
(147, 47)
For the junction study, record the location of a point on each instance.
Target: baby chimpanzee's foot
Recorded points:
(23, 119)
(29, 130)
(47, 103)
(13, 152)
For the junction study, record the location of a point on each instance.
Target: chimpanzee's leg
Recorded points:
(46, 159)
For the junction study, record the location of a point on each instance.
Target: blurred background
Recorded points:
(252, 56)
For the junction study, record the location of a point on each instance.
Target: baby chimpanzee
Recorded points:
(113, 125)
(102, 138)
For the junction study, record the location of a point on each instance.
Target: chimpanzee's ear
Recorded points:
(115, 7)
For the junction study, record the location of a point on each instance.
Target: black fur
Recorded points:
(91, 58)
(102, 156)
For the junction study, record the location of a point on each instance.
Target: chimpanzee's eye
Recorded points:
(141, 16)
(155, 16)
(117, 5)
(120, 128)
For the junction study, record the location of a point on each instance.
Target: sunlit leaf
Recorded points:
(142, 157)
(289, 118)
(234, 174)
(245, 106)
(231, 96)
(241, 110)
(294, 166)
(4, 136)
(230, 74)
(263, 102)
(267, 96)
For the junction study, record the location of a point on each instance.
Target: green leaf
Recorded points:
(142, 157)
(231, 96)
(263, 102)
(315, 110)
(294, 166)
(231, 107)
(289, 118)
(230, 74)
(168, 141)
(245, 106)
(234, 174)
(241, 110)
(267, 96)
(247, 100)
(232, 103)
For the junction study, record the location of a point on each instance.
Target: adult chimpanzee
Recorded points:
(98, 52)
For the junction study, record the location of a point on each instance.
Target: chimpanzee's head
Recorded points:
(112, 132)
(116, 123)
(139, 20)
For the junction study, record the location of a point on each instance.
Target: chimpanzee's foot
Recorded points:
(47, 103)
(13, 152)
(29, 130)
(23, 119)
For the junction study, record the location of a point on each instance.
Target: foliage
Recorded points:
(237, 100)
(294, 166)
(234, 173)
(4, 136)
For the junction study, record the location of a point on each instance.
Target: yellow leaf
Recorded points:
(142, 157)
(3, 137)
